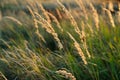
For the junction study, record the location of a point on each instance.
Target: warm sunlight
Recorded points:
(59, 39)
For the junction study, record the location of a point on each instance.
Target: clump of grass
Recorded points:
(50, 30)
(47, 26)
(71, 18)
(82, 6)
(45, 13)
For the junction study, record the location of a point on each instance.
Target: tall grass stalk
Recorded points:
(2, 77)
(44, 12)
(36, 25)
(13, 19)
(95, 16)
(110, 6)
(83, 39)
(71, 18)
(50, 30)
(55, 20)
(110, 17)
(82, 6)
(59, 14)
(77, 46)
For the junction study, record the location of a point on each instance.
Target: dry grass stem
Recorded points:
(36, 25)
(32, 13)
(71, 18)
(110, 6)
(40, 36)
(68, 14)
(90, 27)
(49, 29)
(44, 12)
(5, 43)
(77, 46)
(2, 77)
(81, 5)
(34, 17)
(83, 39)
(46, 25)
(55, 20)
(59, 14)
(118, 16)
(95, 16)
(13, 19)
(110, 17)
(37, 31)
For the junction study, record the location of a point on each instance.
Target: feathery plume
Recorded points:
(58, 13)
(77, 46)
(110, 6)
(110, 17)
(44, 12)
(66, 74)
(36, 25)
(95, 16)
(71, 18)
(49, 29)
(83, 39)
(13, 19)
(55, 20)
(80, 3)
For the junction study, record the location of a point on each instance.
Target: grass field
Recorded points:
(59, 40)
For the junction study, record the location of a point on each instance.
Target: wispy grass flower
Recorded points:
(77, 46)
(66, 74)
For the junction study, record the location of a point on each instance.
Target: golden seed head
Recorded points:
(66, 74)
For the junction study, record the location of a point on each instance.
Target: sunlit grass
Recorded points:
(37, 45)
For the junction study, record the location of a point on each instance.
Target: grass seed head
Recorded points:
(78, 48)
(66, 74)
(110, 17)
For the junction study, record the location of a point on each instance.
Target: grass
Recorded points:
(31, 50)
